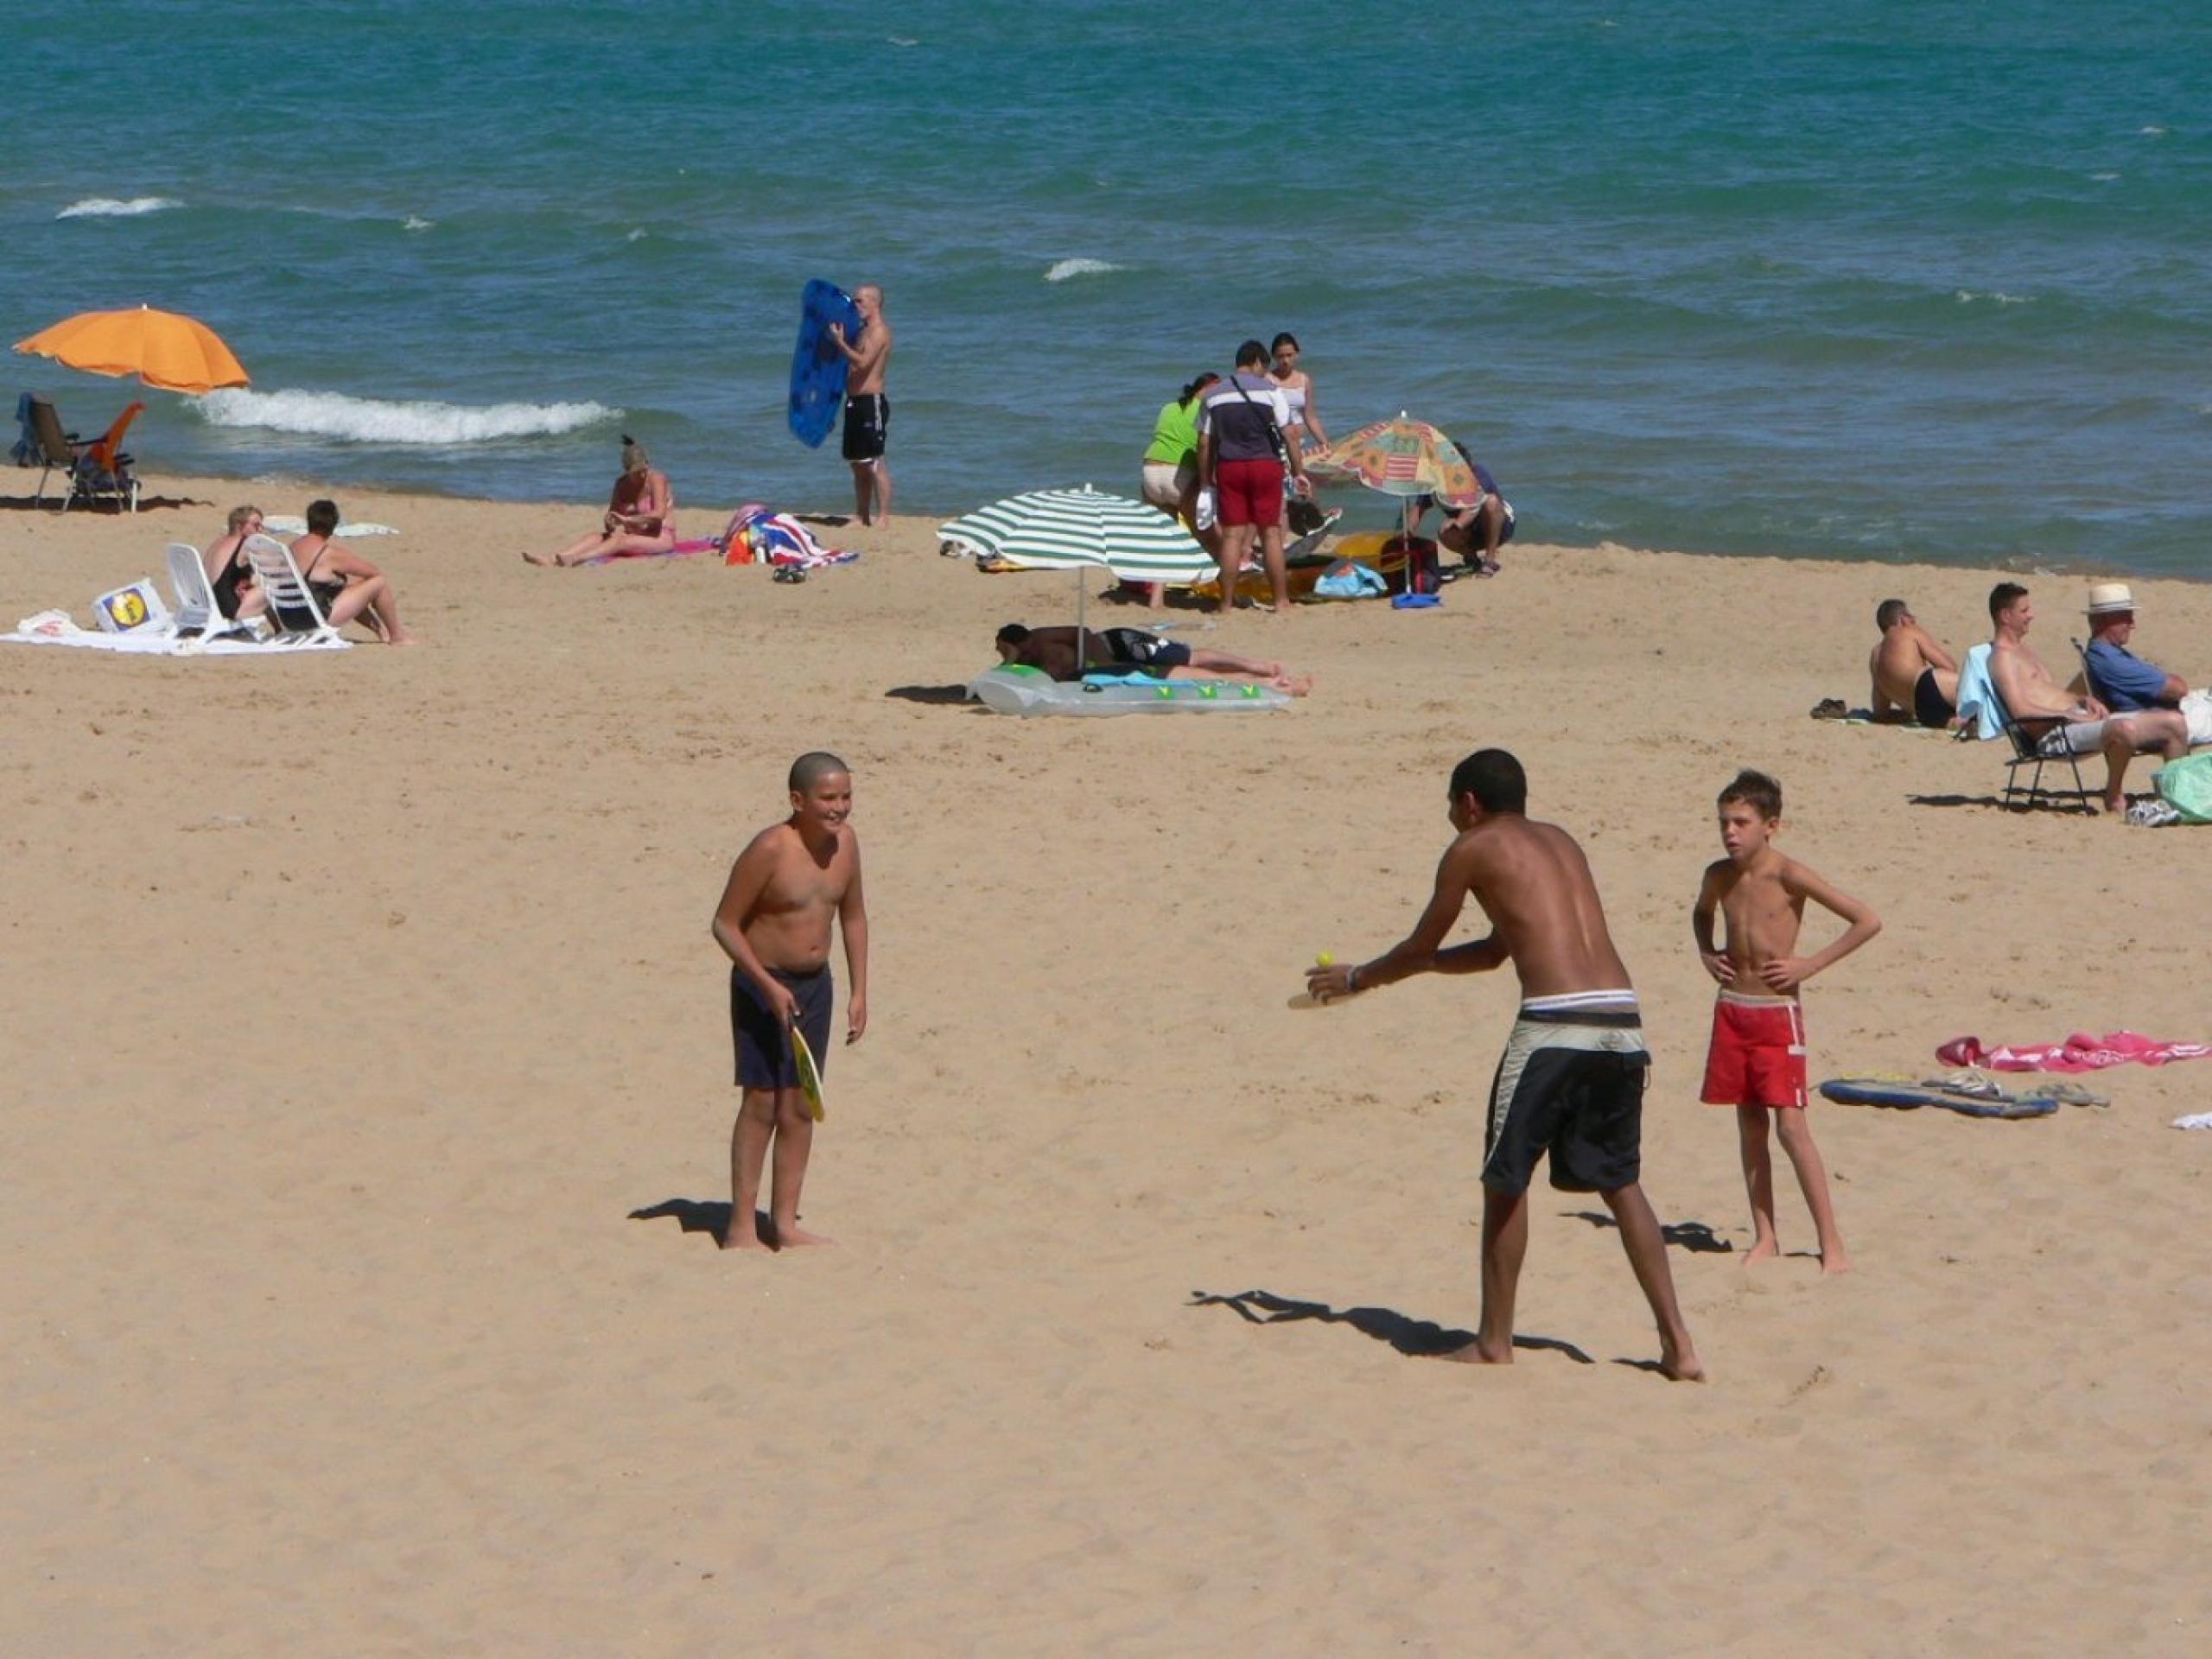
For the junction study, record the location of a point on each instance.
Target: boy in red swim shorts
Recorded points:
(1756, 1063)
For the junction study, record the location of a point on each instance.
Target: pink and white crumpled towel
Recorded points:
(2079, 1052)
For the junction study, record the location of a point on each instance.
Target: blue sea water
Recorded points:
(1874, 279)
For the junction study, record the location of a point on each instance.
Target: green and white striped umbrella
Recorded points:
(1068, 530)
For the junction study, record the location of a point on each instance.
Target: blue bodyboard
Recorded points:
(817, 366)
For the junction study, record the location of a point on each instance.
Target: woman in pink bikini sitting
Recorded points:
(640, 516)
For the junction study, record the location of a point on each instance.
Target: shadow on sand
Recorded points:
(2063, 800)
(941, 695)
(1416, 1338)
(1692, 1235)
(106, 510)
(708, 1216)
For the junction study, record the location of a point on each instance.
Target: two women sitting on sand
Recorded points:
(640, 516)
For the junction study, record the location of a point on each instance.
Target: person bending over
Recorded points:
(1126, 649)
(1570, 1086)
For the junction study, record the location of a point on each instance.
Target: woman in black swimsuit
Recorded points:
(229, 575)
(345, 585)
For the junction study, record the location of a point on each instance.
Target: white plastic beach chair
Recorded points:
(196, 610)
(293, 612)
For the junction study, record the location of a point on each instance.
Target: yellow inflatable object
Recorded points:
(1366, 548)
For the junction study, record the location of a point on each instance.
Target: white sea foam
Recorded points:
(416, 222)
(2152, 132)
(369, 420)
(901, 40)
(108, 207)
(1067, 268)
(637, 235)
(2103, 178)
(1996, 296)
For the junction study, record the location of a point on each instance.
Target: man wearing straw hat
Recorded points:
(2124, 680)
(2060, 722)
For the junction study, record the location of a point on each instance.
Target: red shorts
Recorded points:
(1757, 1056)
(1248, 491)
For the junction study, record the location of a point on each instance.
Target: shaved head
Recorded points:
(812, 767)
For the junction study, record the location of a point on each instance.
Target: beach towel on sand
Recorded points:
(756, 535)
(2079, 1053)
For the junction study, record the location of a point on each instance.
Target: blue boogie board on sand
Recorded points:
(817, 366)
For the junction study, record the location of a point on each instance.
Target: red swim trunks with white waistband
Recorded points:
(1757, 1056)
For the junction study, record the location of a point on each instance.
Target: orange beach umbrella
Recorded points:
(163, 348)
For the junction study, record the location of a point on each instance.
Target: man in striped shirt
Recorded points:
(1242, 451)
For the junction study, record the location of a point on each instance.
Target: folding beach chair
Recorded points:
(102, 469)
(196, 609)
(293, 612)
(2028, 751)
(49, 446)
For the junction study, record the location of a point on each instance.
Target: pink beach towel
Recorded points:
(2079, 1053)
(681, 550)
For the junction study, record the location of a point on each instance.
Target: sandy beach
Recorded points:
(359, 1002)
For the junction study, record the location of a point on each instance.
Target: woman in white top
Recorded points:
(1305, 427)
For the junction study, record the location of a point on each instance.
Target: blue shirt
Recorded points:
(2124, 680)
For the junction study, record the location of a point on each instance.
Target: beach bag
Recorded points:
(2186, 785)
(1417, 573)
(126, 610)
(1349, 579)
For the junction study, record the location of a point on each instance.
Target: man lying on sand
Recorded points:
(1124, 649)
(1914, 677)
(1570, 1085)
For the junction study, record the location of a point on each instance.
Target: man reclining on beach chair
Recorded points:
(1125, 651)
(2061, 722)
(2123, 680)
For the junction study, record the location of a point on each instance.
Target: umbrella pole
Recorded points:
(1081, 651)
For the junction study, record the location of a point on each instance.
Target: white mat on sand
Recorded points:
(168, 644)
(283, 524)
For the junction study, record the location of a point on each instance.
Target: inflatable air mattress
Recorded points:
(817, 366)
(1014, 689)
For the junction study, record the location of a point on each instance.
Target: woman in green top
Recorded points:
(1171, 469)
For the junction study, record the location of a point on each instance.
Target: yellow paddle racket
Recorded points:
(810, 1076)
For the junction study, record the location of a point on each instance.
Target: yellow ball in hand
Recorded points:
(1324, 960)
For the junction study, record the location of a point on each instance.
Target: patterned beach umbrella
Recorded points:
(1071, 529)
(1402, 457)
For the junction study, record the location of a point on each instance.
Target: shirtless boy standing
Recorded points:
(1756, 1063)
(790, 883)
(867, 407)
(1571, 1083)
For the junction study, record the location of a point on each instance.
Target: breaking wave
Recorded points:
(108, 207)
(1067, 268)
(368, 420)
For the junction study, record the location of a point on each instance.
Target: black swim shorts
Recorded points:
(1930, 706)
(764, 1053)
(867, 426)
(1570, 1085)
(1136, 648)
